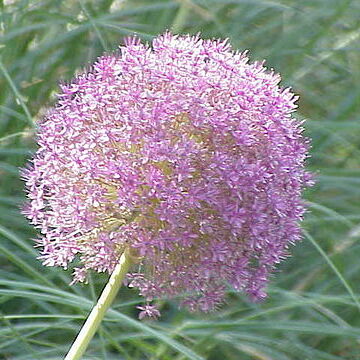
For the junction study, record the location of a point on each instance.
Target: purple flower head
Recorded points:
(182, 151)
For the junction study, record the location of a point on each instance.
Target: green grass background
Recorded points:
(312, 312)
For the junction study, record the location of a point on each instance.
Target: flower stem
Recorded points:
(98, 312)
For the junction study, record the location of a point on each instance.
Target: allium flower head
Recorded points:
(182, 151)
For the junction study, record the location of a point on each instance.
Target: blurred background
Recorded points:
(313, 308)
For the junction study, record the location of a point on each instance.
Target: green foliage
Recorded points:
(313, 307)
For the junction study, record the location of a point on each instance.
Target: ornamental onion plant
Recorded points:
(182, 159)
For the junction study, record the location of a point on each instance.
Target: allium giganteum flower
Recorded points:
(185, 153)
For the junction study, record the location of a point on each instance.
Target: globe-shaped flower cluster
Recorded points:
(183, 152)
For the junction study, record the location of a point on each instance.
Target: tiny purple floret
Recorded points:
(148, 311)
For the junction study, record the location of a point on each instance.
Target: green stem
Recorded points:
(98, 312)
